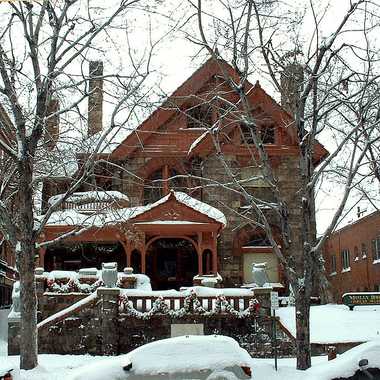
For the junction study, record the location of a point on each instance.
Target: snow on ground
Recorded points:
(61, 367)
(3, 331)
(336, 323)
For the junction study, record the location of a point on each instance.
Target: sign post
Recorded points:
(274, 305)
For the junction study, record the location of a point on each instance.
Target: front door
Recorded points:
(171, 263)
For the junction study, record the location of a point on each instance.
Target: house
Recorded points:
(352, 256)
(161, 201)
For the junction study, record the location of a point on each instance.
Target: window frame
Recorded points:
(346, 262)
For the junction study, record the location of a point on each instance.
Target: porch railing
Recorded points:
(145, 303)
(93, 206)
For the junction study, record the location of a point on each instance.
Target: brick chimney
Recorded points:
(291, 84)
(95, 99)
(52, 125)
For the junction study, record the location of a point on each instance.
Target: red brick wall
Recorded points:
(364, 274)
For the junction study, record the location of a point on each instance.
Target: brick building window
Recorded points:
(356, 253)
(345, 259)
(376, 249)
(333, 264)
(364, 251)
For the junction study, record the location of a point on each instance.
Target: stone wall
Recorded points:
(101, 329)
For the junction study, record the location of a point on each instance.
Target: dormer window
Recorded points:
(199, 116)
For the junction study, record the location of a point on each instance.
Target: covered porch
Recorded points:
(171, 240)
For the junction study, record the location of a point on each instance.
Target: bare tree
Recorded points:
(328, 87)
(43, 46)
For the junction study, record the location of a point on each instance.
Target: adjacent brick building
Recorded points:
(352, 256)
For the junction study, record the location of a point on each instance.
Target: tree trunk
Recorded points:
(303, 330)
(28, 333)
(25, 251)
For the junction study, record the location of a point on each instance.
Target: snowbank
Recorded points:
(336, 323)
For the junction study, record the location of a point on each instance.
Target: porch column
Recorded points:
(143, 261)
(41, 254)
(127, 251)
(200, 263)
(200, 254)
(214, 255)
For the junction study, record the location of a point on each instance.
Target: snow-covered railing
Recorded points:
(92, 201)
(143, 307)
(89, 207)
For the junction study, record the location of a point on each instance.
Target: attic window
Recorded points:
(199, 116)
(267, 134)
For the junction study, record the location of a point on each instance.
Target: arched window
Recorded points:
(161, 181)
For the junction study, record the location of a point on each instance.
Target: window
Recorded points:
(161, 181)
(153, 190)
(333, 264)
(364, 251)
(266, 133)
(376, 249)
(199, 116)
(345, 259)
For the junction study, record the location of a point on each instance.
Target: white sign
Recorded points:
(274, 300)
(180, 329)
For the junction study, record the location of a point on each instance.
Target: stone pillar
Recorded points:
(109, 312)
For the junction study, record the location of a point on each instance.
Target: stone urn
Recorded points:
(109, 274)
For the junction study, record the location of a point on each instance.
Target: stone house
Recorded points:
(352, 256)
(161, 200)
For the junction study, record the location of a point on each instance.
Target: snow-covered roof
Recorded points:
(112, 217)
(91, 196)
(199, 206)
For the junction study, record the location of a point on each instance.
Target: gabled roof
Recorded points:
(210, 69)
(136, 214)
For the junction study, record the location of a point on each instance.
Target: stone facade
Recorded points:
(163, 145)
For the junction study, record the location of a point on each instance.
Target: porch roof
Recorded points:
(180, 209)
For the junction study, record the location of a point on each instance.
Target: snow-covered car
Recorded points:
(212, 357)
(359, 363)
